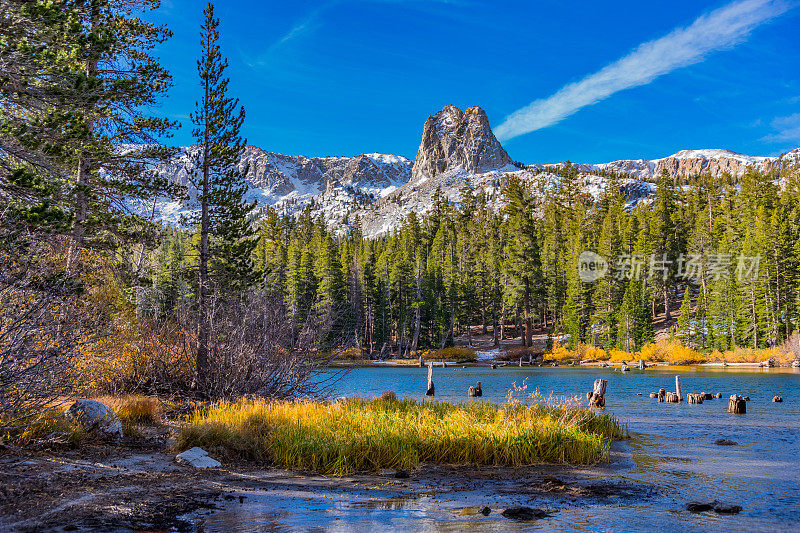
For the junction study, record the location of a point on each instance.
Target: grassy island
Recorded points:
(366, 435)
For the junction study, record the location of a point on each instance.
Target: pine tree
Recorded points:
(684, 328)
(77, 79)
(226, 236)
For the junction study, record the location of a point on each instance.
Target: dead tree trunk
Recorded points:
(597, 398)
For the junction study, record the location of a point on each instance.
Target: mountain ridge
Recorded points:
(456, 148)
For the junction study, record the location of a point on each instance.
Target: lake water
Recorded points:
(671, 452)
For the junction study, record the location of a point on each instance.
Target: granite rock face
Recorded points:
(458, 139)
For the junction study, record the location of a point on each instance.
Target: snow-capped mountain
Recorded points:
(457, 148)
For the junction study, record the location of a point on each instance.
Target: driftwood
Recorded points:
(737, 405)
(597, 398)
(430, 391)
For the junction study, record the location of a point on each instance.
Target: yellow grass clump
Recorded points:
(365, 435)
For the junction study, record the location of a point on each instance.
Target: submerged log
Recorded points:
(737, 405)
(597, 398)
(430, 391)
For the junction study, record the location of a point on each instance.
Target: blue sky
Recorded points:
(344, 77)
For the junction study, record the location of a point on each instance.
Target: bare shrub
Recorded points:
(40, 330)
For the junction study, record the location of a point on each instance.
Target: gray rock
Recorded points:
(700, 507)
(198, 458)
(724, 508)
(725, 442)
(96, 418)
(524, 513)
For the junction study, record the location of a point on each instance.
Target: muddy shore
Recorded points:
(138, 487)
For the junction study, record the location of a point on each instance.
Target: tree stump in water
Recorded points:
(471, 392)
(494, 366)
(706, 396)
(654, 395)
(661, 395)
(672, 397)
(430, 391)
(478, 390)
(777, 399)
(421, 362)
(678, 392)
(597, 399)
(694, 398)
(737, 405)
(719, 395)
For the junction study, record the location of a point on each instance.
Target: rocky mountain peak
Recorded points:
(454, 139)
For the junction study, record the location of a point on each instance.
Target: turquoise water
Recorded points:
(670, 460)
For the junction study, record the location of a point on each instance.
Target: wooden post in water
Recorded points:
(421, 362)
(661, 395)
(520, 361)
(678, 388)
(694, 398)
(598, 393)
(642, 366)
(430, 391)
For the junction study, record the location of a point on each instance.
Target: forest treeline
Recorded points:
(94, 294)
(726, 275)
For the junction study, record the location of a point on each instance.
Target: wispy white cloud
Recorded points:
(787, 129)
(720, 29)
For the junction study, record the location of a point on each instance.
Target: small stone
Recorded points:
(724, 508)
(725, 442)
(401, 474)
(198, 458)
(486, 511)
(524, 513)
(700, 507)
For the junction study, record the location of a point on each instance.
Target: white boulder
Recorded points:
(198, 458)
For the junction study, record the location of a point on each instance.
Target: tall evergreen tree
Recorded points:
(226, 235)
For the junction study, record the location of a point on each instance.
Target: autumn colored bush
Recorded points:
(451, 354)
